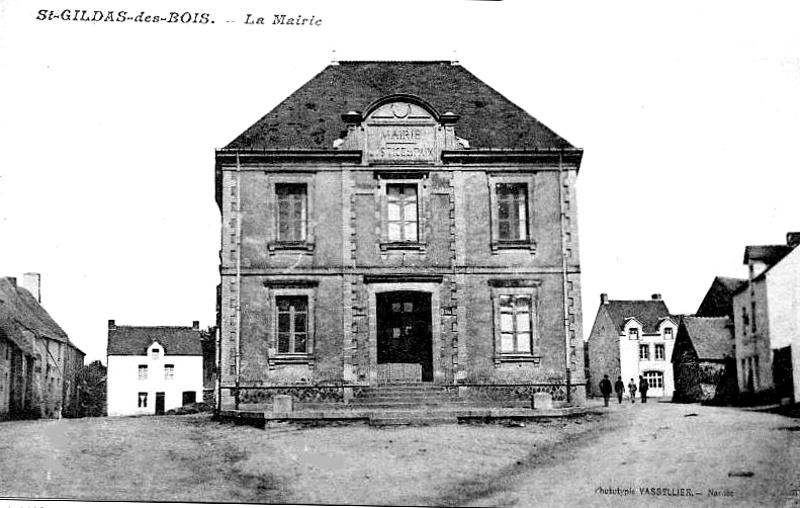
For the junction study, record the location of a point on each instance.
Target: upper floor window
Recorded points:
(512, 212)
(745, 321)
(668, 333)
(291, 208)
(292, 324)
(660, 352)
(633, 333)
(402, 213)
(644, 352)
(142, 372)
(292, 200)
(169, 371)
(753, 308)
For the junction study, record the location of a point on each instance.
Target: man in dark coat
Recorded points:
(619, 387)
(643, 386)
(605, 389)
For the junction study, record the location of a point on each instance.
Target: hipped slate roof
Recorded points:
(310, 118)
(19, 311)
(712, 337)
(647, 312)
(134, 340)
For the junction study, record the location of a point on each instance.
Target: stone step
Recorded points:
(399, 398)
(418, 420)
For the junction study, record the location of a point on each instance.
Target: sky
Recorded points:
(688, 113)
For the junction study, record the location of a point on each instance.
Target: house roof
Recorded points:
(718, 300)
(134, 340)
(647, 312)
(311, 117)
(712, 337)
(731, 284)
(19, 310)
(769, 254)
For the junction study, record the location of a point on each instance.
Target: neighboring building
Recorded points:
(703, 360)
(38, 363)
(208, 341)
(767, 322)
(398, 221)
(152, 369)
(632, 338)
(718, 301)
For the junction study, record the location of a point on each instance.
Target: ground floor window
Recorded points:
(142, 399)
(654, 379)
(515, 320)
(189, 398)
(292, 323)
(292, 328)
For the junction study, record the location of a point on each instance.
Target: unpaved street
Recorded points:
(697, 456)
(678, 452)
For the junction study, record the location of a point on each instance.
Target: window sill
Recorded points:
(291, 358)
(417, 246)
(499, 245)
(517, 358)
(290, 246)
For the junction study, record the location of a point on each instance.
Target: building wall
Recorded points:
(604, 351)
(345, 228)
(753, 351)
(783, 290)
(124, 385)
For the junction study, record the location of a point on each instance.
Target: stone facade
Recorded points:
(331, 258)
(39, 365)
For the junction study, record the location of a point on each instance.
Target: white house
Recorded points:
(632, 338)
(766, 313)
(152, 369)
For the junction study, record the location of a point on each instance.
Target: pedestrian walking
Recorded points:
(605, 389)
(643, 386)
(619, 387)
(632, 390)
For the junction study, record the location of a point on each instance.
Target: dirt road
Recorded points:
(667, 455)
(629, 455)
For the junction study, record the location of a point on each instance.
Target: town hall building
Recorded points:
(398, 222)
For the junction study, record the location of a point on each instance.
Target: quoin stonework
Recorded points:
(398, 222)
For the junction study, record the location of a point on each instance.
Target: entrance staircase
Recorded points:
(402, 403)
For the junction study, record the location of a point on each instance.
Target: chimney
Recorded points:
(32, 281)
(793, 239)
(656, 296)
(195, 325)
(603, 298)
(112, 325)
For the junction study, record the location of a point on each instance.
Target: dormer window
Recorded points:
(633, 333)
(668, 333)
(154, 353)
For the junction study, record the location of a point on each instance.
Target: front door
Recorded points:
(404, 330)
(159, 403)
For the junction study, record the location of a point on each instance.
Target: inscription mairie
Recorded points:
(404, 143)
(401, 132)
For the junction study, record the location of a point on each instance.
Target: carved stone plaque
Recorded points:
(401, 132)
